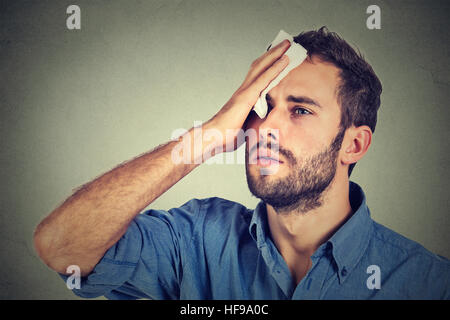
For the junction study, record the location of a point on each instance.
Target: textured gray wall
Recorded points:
(76, 103)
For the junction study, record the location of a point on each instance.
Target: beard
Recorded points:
(303, 188)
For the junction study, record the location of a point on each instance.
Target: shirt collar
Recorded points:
(348, 243)
(351, 240)
(258, 225)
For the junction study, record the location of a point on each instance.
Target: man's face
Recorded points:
(305, 114)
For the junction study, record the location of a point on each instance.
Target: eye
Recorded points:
(269, 107)
(298, 111)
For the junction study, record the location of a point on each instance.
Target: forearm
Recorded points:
(95, 217)
(98, 214)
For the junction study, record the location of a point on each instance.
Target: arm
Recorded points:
(96, 216)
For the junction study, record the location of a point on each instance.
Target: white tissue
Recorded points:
(296, 53)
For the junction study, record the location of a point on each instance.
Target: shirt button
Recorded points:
(343, 272)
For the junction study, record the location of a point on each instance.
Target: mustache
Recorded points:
(279, 149)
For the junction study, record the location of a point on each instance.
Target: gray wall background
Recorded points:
(74, 104)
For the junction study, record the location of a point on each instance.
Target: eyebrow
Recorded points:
(297, 99)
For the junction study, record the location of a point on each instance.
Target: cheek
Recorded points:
(251, 130)
(249, 146)
(252, 121)
(304, 138)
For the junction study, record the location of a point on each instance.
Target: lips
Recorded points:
(266, 161)
(266, 157)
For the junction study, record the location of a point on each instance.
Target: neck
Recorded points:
(298, 235)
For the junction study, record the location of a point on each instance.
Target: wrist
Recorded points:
(208, 141)
(198, 144)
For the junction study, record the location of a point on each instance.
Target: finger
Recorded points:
(266, 60)
(266, 77)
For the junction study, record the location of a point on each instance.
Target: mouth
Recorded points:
(266, 158)
(267, 161)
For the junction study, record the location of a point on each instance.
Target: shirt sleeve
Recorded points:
(147, 261)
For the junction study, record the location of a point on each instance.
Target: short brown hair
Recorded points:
(360, 89)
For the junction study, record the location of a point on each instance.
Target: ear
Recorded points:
(356, 143)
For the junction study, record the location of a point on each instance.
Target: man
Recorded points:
(311, 236)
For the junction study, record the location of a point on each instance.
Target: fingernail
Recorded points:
(281, 44)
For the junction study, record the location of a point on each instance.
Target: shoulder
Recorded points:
(196, 212)
(398, 245)
(217, 216)
(410, 265)
(218, 208)
(209, 205)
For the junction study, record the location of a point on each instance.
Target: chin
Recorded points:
(266, 173)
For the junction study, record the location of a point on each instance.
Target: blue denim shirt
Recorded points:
(218, 249)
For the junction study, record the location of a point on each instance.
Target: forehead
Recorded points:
(313, 78)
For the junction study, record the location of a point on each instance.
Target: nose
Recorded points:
(270, 127)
